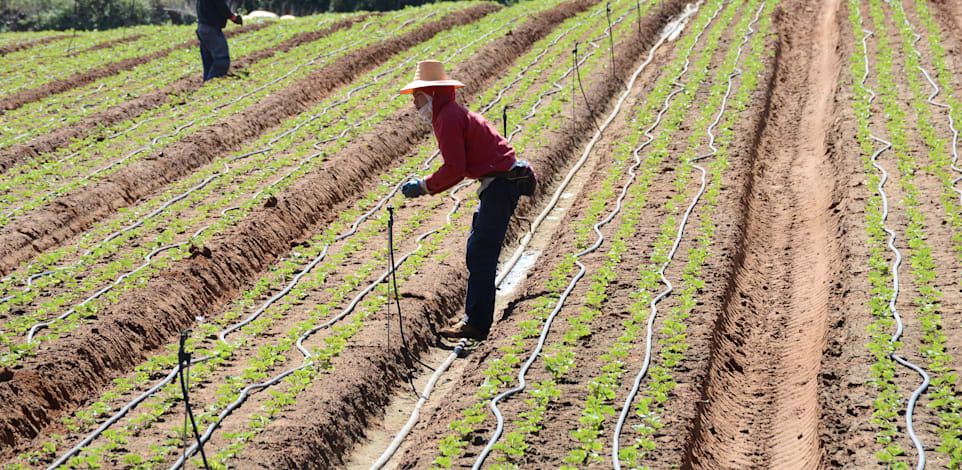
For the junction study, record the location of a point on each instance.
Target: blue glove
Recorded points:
(413, 189)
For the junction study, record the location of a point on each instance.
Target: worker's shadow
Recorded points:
(512, 306)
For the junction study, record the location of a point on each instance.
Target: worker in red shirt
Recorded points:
(471, 148)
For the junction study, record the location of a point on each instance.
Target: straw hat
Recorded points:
(429, 73)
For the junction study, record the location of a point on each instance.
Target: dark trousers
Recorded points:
(488, 229)
(214, 53)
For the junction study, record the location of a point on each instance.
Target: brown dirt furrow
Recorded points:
(949, 13)
(60, 378)
(76, 212)
(311, 430)
(111, 43)
(27, 45)
(132, 108)
(760, 406)
(16, 100)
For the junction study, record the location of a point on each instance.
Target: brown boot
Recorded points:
(461, 329)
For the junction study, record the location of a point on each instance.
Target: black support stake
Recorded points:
(574, 64)
(611, 41)
(638, 9)
(583, 94)
(504, 118)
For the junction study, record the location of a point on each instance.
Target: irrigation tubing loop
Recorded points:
(183, 360)
(910, 407)
(582, 269)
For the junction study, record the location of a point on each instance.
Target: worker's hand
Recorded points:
(237, 19)
(413, 188)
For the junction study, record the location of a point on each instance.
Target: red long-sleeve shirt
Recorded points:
(470, 145)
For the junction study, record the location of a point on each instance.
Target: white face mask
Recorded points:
(425, 111)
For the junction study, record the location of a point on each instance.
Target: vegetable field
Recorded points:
(745, 249)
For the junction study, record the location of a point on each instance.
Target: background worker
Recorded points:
(212, 16)
(471, 147)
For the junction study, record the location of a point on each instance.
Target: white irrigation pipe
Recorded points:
(931, 99)
(661, 272)
(508, 265)
(582, 269)
(910, 407)
(399, 438)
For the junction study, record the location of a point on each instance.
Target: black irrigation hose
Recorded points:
(580, 85)
(611, 41)
(183, 359)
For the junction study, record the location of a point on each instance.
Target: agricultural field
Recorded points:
(744, 251)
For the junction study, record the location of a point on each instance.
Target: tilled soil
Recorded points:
(777, 372)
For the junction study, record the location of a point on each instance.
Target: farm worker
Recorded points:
(212, 16)
(471, 148)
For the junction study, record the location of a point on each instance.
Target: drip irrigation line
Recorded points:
(412, 421)
(931, 99)
(623, 415)
(482, 456)
(910, 407)
(574, 169)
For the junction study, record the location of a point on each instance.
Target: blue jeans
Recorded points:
(214, 53)
(488, 229)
